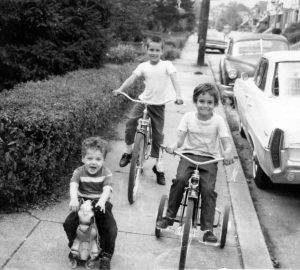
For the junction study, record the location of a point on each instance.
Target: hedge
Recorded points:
(50, 37)
(43, 123)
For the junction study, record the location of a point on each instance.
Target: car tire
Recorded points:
(261, 180)
(242, 132)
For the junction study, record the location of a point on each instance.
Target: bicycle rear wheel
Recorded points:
(224, 226)
(186, 233)
(136, 166)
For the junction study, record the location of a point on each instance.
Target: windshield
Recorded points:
(258, 46)
(289, 78)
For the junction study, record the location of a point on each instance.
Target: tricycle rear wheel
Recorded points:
(160, 212)
(224, 226)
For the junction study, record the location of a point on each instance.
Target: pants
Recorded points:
(208, 175)
(157, 115)
(106, 226)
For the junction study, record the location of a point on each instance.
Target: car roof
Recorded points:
(239, 36)
(281, 56)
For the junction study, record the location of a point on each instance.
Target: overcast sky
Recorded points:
(248, 3)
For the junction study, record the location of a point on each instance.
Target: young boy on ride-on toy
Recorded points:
(93, 184)
(198, 135)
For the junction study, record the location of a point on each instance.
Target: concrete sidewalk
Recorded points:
(36, 240)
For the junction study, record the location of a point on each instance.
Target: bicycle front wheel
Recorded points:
(136, 166)
(186, 233)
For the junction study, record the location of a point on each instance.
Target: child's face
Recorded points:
(93, 161)
(154, 52)
(205, 105)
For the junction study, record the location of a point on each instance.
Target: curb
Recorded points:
(253, 248)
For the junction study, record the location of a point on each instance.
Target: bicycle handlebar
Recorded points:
(193, 161)
(143, 101)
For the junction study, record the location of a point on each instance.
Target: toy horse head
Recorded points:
(86, 212)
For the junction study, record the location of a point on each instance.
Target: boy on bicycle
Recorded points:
(198, 135)
(93, 181)
(157, 74)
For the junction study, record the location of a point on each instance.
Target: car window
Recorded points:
(261, 74)
(257, 46)
(288, 74)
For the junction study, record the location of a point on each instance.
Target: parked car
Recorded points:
(215, 40)
(269, 108)
(243, 53)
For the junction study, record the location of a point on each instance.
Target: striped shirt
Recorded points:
(91, 186)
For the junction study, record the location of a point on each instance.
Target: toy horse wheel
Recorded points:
(90, 264)
(73, 263)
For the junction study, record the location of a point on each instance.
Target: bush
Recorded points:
(40, 38)
(171, 53)
(42, 125)
(122, 54)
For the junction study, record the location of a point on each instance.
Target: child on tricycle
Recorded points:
(198, 135)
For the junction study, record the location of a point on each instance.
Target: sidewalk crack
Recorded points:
(20, 245)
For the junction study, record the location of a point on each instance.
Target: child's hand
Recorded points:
(170, 149)
(116, 92)
(101, 205)
(74, 205)
(178, 101)
(228, 159)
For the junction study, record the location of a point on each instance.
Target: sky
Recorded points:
(247, 3)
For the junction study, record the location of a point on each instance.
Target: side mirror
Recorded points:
(244, 76)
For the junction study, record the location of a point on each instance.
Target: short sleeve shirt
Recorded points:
(91, 186)
(202, 137)
(156, 79)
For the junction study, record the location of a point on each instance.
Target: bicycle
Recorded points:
(141, 147)
(190, 212)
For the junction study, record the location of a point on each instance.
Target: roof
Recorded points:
(281, 56)
(238, 36)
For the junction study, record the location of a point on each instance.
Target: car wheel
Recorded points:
(242, 132)
(261, 180)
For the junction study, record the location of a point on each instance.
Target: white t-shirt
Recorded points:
(157, 80)
(202, 137)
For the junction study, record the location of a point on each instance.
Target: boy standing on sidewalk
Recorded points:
(156, 73)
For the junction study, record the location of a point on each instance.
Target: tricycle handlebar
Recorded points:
(193, 161)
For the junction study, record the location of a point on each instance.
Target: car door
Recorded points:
(256, 99)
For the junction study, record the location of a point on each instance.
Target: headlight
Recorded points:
(232, 73)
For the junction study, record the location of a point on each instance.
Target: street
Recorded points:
(277, 208)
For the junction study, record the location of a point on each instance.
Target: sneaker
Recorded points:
(125, 159)
(164, 223)
(209, 237)
(105, 262)
(160, 176)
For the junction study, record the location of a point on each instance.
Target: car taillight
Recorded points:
(275, 145)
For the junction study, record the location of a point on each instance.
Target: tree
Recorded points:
(230, 15)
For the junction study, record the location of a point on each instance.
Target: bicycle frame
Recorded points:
(141, 148)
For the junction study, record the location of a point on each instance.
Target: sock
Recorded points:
(128, 149)
(159, 165)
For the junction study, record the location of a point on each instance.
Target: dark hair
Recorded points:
(95, 143)
(204, 88)
(155, 39)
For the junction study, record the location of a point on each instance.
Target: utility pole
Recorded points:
(202, 30)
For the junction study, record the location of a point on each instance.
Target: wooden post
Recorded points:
(202, 30)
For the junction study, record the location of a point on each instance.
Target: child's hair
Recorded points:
(155, 39)
(95, 143)
(204, 88)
